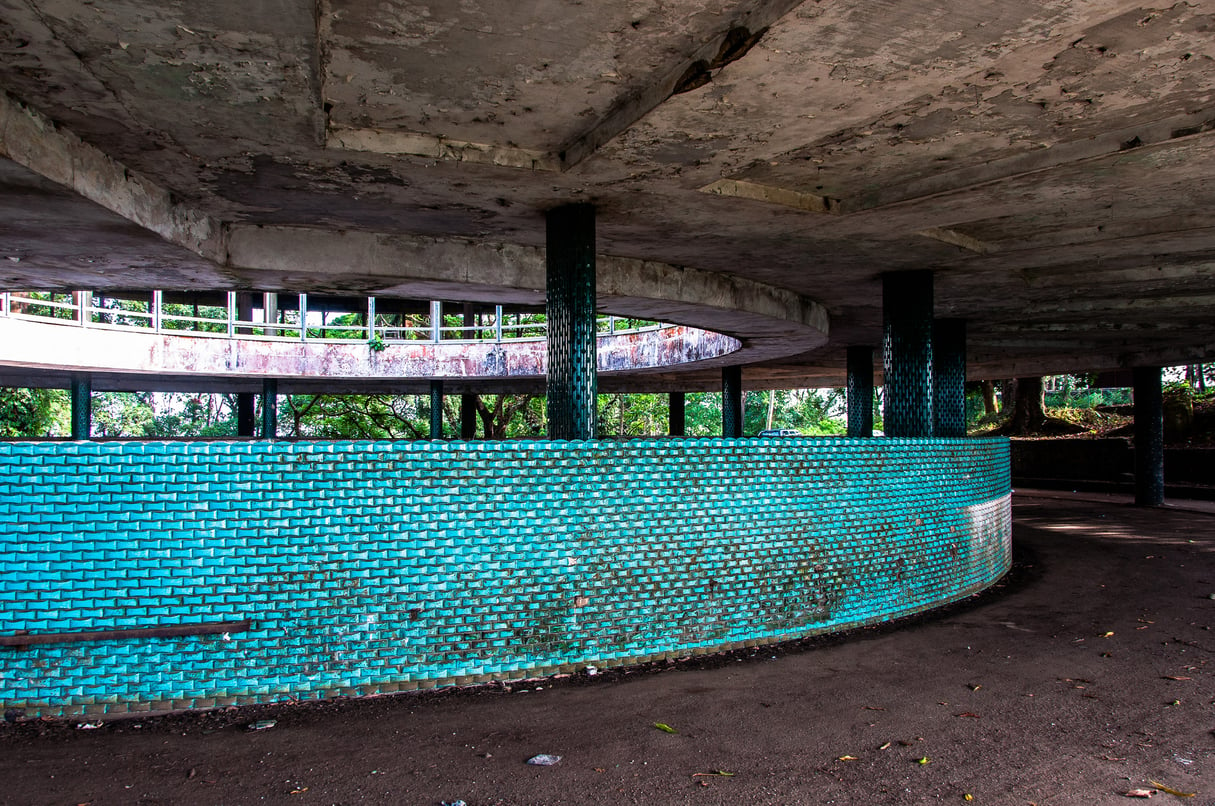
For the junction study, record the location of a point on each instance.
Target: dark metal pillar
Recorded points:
(949, 378)
(246, 414)
(907, 353)
(675, 414)
(731, 402)
(246, 402)
(1149, 437)
(570, 310)
(82, 405)
(436, 409)
(468, 416)
(269, 408)
(860, 391)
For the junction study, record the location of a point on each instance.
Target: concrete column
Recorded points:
(949, 378)
(436, 409)
(570, 310)
(1149, 437)
(731, 402)
(675, 414)
(269, 408)
(907, 353)
(860, 391)
(82, 405)
(468, 416)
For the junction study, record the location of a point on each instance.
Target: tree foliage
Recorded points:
(32, 412)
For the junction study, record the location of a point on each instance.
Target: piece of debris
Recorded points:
(1109, 634)
(299, 790)
(968, 797)
(544, 760)
(873, 708)
(592, 671)
(1171, 677)
(846, 758)
(262, 724)
(453, 803)
(1171, 791)
(885, 746)
(968, 714)
(1139, 793)
(89, 725)
(665, 728)
(923, 760)
(715, 773)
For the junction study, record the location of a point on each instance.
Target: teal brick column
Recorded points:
(570, 310)
(860, 391)
(269, 408)
(949, 378)
(436, 409)
(675, 414)
(1149, 437)
(907, 353)
(82, 405)
(731, 402)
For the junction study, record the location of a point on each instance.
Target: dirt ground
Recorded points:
(1090, 672)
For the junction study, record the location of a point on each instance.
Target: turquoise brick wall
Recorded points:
(370, 567)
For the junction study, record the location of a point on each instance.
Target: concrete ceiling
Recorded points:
(1051, 161)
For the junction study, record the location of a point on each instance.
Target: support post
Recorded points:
(949, 378)
(731, 402)
(436, 409)
(468, 416)
(907, 353)
(676, 414)
(860, 391)
(246, 414)
(1149, 437)
(269, 408)
(246, 402)
(82, 405)
(570, 311)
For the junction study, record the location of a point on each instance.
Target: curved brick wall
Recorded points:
(377, 567)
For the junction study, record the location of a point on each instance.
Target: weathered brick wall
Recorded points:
(371, 567)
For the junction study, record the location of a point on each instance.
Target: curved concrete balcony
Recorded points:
(221, 346)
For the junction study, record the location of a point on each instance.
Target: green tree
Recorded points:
(26, 412)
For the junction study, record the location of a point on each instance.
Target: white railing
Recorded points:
(82, 309)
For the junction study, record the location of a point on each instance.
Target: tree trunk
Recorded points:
(990, 406)
(1029, 407)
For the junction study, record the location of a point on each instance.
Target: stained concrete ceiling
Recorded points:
(1050, 161)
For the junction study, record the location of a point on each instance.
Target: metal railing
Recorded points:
(84, 309)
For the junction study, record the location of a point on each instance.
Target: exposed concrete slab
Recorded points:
(1046, 158)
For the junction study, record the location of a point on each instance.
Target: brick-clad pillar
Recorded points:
(436, 409)
(949, 377)
(907, 353)
(860, 391)
(269, 408)
(82, 405)
(570, 310)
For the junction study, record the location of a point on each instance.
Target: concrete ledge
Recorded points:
(48, 346)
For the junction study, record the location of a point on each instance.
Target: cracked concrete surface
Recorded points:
(1049, 160)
